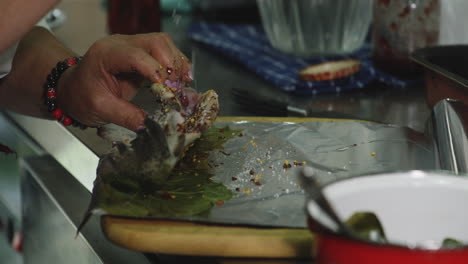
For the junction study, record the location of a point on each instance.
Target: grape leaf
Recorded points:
(188, 191)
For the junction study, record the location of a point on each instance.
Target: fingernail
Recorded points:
(190, 75)
(158, 77)
(140, 128)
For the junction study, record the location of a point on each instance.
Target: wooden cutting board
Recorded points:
(197, 239)
(194, 239)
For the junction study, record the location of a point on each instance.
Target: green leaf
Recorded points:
(188, 191)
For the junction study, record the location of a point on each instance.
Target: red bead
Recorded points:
(71, 62)
(50, 93)
(67, 121)
(57, 113)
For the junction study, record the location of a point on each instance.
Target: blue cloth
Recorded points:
(248, 45)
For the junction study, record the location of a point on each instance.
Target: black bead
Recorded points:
(52, 106)
(61, 64)
(49, 101)
(55, 73)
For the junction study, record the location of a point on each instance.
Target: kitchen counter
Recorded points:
(78, 150)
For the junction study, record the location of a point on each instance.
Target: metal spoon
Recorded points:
(319, 207)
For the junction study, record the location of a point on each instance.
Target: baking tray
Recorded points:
(445, 72)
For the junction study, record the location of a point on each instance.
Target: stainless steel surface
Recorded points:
(450, 131)
(10, 224)
(53, 204)
(16, 139)
(10, 197)
(64, 146)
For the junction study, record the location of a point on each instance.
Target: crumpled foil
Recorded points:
(336, 150)
(267, 191)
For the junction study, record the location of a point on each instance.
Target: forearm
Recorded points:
(22, 89)
(18, 16)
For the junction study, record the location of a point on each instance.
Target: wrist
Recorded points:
(52, 87)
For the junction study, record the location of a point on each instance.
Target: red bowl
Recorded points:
(417, 210)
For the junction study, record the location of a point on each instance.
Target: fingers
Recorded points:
(133, 59)
(129, 115)
(175, 65)
(181, 62)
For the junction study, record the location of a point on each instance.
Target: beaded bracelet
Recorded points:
(50, 87)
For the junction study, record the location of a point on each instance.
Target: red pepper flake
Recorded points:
(258, 183)
(234, 178)
(404, 12)
(251, 172)
(299, 163)
(241, 135)
(220, 203)
(252, 180)
(237, 189)
(270, 167)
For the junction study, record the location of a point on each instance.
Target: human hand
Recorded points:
(98, 90)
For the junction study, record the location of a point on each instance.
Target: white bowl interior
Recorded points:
(415, 208)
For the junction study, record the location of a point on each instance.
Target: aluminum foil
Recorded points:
(268, 193)
(261, 164)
